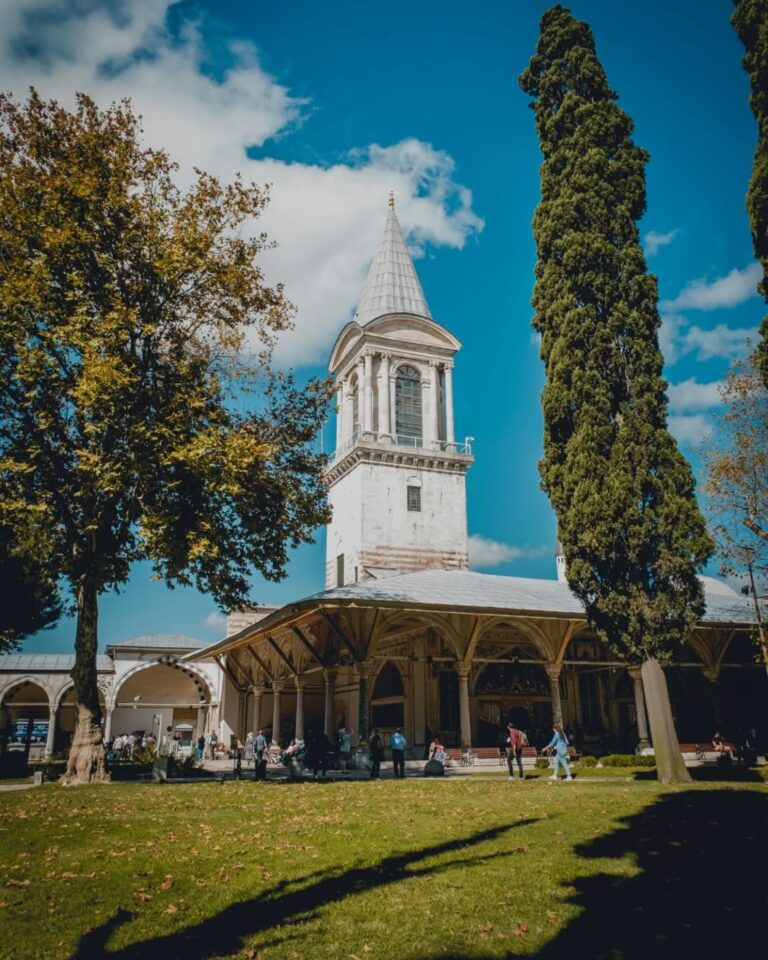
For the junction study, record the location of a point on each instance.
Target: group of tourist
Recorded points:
(126, 745)
(557, 748)
(317, 753)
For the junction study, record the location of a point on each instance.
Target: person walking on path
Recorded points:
(514, 751)
(559, 744)
(345, 748)
(398, 744)
(376, 748)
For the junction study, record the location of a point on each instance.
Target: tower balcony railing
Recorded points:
(402, 440)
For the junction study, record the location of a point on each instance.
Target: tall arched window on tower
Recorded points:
(408, 406)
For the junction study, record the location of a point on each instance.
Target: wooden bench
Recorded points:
(706, 749)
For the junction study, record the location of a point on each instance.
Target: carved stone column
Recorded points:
(299, 732)
(347, 413)
(277, 689)
(434, 402)
(368, 393)
(553, 672)
(393, 404)
(359, 427)
(51, 731)
(427, 433)
(465, 722)
(449, 430)
(330, 690)
(636, 673)
(385, 425)
(339, 416)
(363, 672)
(713, 675)
(258, 693)
(107, 724)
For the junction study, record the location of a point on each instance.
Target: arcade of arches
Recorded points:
(463, 676)
(144, 688)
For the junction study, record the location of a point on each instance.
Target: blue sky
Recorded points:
(335, 104)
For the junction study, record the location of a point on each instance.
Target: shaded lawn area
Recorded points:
(420, 869)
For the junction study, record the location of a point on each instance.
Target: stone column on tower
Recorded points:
(427, 420)
(393, 404)
(368, 392)
(434, 402)
(348, 414)
(339, 416)
(385, 429)
(361, 393)
(449, 430)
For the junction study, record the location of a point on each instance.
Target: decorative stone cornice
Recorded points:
(372, 451)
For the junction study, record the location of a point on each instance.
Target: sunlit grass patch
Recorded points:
(482, 868)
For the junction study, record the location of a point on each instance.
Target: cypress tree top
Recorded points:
(631, 530)
(750, 18)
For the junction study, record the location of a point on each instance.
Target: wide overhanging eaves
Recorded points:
(458, 593)
(293, 615)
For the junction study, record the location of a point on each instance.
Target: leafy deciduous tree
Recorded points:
(750, 18)
(129, 311)
(736, 460)
(623, 494)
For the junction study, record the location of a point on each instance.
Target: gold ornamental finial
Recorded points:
(391, 199)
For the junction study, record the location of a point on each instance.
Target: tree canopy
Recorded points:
(140, 417)
(750, 19)
(628, 520)
(736, 486)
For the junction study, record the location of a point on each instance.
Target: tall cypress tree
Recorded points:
(750, 18)
(627, 517)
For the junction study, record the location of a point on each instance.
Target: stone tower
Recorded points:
(397, 480)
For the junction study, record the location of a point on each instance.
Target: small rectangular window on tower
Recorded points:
(414, 499)
(340, 570)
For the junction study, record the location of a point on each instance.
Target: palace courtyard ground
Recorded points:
(604, 867)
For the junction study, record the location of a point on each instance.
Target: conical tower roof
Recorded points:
(392, 285)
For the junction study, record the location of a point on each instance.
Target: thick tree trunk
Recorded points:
(670, 766)
(85, 763)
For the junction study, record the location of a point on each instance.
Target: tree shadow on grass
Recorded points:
(288, 902)
(701, 891)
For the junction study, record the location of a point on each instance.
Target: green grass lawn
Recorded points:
(474, 868)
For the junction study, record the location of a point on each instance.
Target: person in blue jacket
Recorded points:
(559, 744)
(397, 744)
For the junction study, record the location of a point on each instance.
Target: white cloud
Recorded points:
(689, 429)
(484, 552)
(217, 621)
(654, 240)
(326, 220)
(728, 291)
(690, 395)
(720, 341)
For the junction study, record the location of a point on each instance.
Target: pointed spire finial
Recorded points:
(391, 199)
